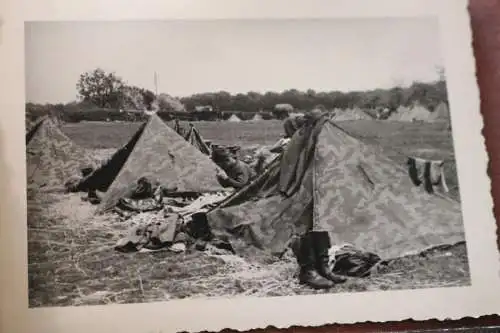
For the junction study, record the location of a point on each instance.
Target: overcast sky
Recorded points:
(236, 56)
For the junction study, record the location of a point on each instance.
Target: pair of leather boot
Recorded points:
(313, 260)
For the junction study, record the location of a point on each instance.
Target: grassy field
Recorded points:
(101, 135)
(72, 261)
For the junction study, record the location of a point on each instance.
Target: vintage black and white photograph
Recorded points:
(220, 158)
(241, 165)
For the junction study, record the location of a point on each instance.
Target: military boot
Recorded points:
(308, 274)
(321, 245)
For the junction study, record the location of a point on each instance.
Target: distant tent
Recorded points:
(441, 113)
(402, 113)
(52, 157)
(336, 112)
(179, 129)
(415, 113)
(351, 114)
(234, 118)
(194, 138)
(257, 117)
(366, 199)
(359, 114)
(420, 113)
(156, 151)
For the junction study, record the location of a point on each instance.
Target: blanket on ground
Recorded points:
(164, 228)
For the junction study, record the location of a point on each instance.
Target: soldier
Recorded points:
(237, 173)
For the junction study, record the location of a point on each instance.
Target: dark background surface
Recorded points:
(485, 22)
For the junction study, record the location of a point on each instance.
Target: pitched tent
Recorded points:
(155, 151)
(257, 117)
(366, 199)
(180, 129)
(52, 157)
(28, 124)
(441, 113)
(416, 112)
(31, 130)
(194, 138)
(359, 114)
(421, 113)
(234, 118)
(402, 113)
(351, 114)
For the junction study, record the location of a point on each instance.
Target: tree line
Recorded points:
(101, 90)
(429, 95)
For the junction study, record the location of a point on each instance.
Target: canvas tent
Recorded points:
(402, 113)
(194, 138)
(415, 113)
(257, 117)
(179, 129)
(234, 118)
(351, 114)
(155, 151)
(366, 199)
(441, 113)
(418, 112)
(28, 124)
(52, 157)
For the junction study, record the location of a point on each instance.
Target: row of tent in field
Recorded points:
(401, 114)
(155, 150)
(420, 113)
(367, 198)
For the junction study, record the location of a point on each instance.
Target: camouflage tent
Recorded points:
(52, 157)
(28, 124)
(364, 197)
(155, 151)
(194, 138)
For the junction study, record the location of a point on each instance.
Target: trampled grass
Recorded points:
(72, 261)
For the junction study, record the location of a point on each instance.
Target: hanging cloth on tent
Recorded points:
(298, 155)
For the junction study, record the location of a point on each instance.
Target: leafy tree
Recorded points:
(148, 98)
(102, 89)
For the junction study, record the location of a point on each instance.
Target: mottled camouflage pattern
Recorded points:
(162, 154)
(360, 196)
(371, 202)
(52, 158)
(27, 124)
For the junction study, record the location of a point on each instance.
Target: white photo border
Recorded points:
(243, 313)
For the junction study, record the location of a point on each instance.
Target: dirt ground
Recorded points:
(72, 261)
